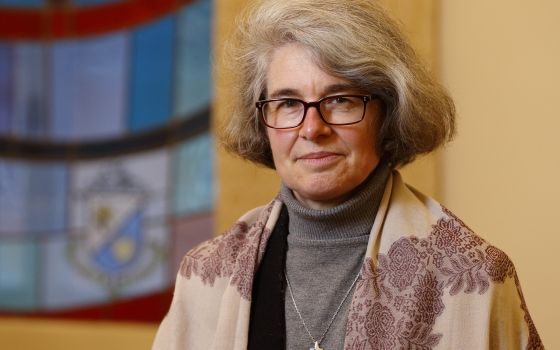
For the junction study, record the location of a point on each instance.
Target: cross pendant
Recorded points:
(316, 347)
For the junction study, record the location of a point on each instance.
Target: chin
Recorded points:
(322, 197)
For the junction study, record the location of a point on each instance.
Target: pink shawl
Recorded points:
(427, 282)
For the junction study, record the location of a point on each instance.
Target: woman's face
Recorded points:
(321, 163)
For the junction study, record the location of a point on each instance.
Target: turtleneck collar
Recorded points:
(352, 218)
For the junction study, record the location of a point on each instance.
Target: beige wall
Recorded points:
(500, 59)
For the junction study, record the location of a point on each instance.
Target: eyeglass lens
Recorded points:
(286, 113)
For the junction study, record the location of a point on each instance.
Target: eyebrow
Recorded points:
(331, 89)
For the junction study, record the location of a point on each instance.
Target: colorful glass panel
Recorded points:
(101, 191)
(5, 87)
(152, 72)
(22, 3)
(194, 181)
(29, 110)
(18, 274)
(32, 197)
(66, 287)
(85, 72)
(93, 2)
(193, 64)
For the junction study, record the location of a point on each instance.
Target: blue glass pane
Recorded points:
(89, 87)
(22, 3)
(66, 283)
(32, 197)
(94, 2)
(153, 263)
(152, 71)
(18, 275)
(193, 67)
(29, 116)
(5, 87)
(194, 180)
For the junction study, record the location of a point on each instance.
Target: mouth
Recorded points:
(318, 155)
(319, 158)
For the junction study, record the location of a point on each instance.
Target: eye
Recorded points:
(288, 104)
(338, 100)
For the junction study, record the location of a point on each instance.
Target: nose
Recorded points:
(313, 125)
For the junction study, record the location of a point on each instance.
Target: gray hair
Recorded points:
(351, 39)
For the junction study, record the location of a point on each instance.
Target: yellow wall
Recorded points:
(22, 334)
(501, 61)
(235, 178)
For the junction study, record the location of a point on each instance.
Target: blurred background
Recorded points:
(106, 157)
(109, 171)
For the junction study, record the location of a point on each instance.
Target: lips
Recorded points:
(318, 155)
(319, 160)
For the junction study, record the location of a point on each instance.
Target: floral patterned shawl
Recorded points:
(427, 282)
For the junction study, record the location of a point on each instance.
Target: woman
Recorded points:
(347, 256)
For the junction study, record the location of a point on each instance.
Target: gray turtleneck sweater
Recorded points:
(325, 253)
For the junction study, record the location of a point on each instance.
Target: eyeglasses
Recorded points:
(286, 113)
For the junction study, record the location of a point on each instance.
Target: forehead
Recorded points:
(292, 68)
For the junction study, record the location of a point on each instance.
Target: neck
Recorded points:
(352, 216)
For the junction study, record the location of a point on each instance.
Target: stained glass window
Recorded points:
(105, 153)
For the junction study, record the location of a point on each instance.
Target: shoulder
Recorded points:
(218, 257)
(442, 242)
(463, 254)
(213, 279)
(450, 251)
(431, 257)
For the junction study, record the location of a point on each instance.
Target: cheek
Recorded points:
(368, 139)
(273, 140)
(365, 151)
(364, 143)
(280, 143)
(372, 143)
(375, 126)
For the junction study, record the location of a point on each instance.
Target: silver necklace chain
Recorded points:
(317, 342)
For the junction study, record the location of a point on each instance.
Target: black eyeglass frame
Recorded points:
(306, 105)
